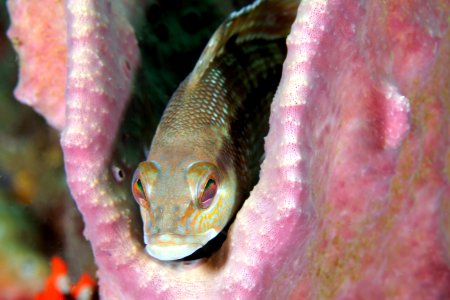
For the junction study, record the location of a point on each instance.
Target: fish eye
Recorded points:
(203, 179)
(143, 179)
(139, 193)
(207, 194)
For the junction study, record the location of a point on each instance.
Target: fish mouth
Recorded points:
(169, 246)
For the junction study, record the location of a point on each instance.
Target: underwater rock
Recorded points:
(353, 196)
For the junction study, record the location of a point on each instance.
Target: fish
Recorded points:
(205, 155)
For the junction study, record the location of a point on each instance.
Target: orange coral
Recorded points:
(58, 286)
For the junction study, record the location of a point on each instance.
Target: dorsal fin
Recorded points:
(263, 19)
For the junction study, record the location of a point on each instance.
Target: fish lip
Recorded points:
(173, 252)
(170, 246)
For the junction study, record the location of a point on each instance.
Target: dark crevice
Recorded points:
(212, 246)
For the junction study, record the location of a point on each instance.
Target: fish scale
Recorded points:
(211, 134)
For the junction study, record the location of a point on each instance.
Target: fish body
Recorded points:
(205, 155)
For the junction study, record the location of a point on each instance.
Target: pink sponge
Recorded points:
(38, 33)
(353, 200)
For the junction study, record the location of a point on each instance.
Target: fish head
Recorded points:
(184, 203)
